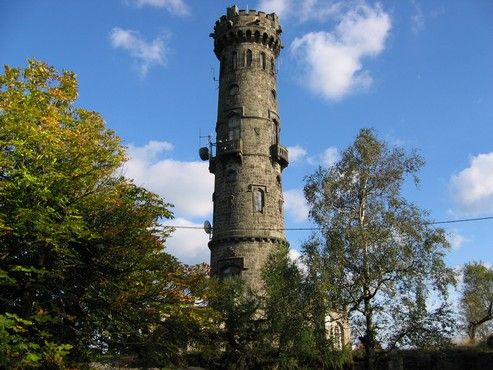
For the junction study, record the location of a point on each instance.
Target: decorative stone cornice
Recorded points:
(236, 239)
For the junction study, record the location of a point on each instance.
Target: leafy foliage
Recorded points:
(272, 328)
(82, 260)
(477, 299)
(241, 336)
(15, 350)
(285, 311)
(296, 312)
(379, 250)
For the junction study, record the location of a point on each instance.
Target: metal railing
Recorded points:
(229, 147)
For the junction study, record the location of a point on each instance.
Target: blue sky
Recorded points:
(418, 72)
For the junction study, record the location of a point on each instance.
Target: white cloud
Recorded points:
(333, 60)
(294, 254)
(456, 240)
(296, 153)
(150, 151)
(472, 188)
(321, 10)
(187, 185)
(176, 7)
(187, 244)
(295, 205)
(145, 54)
(305, 10)
(417, 19)
(330, 157)
(327, 159)
(281, 7)
(296, 257)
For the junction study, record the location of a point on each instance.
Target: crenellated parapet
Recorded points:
(239, 26)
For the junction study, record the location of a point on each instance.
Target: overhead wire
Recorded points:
(461, 220)
(319, 228)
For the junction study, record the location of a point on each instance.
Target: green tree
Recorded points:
(323, 305)
(296, 309)
(52, 156)
(285, 311)
(379, 248)
(82, 260)
(241, 338)
(477, 299)
(273, 328)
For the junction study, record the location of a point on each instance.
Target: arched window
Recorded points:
(222, 65)
(249, 58)
(337, 335)
(272, 65)
(258, 200)
(335, 332)
(231, 172)
(233, 90)
(263, 61)
(234, 60)
(231, 175)
(234, 128)
(257, 36)
(274, 132)
(265, 37)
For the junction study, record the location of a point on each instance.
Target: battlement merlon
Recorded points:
(247, 26)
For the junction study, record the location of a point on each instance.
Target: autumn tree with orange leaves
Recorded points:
(83, 269)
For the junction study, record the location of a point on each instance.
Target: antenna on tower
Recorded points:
(208, 137)
(205, 153)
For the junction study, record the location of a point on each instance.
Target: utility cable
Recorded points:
(319, 228)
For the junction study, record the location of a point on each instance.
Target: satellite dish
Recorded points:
(204, 153)
(207, 227)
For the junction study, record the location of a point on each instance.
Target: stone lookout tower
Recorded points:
(248, 160)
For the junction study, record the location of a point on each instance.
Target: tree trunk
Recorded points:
(369, 338)
(471, 331)
(27, 302)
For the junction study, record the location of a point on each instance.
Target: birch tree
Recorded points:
(380, 250)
